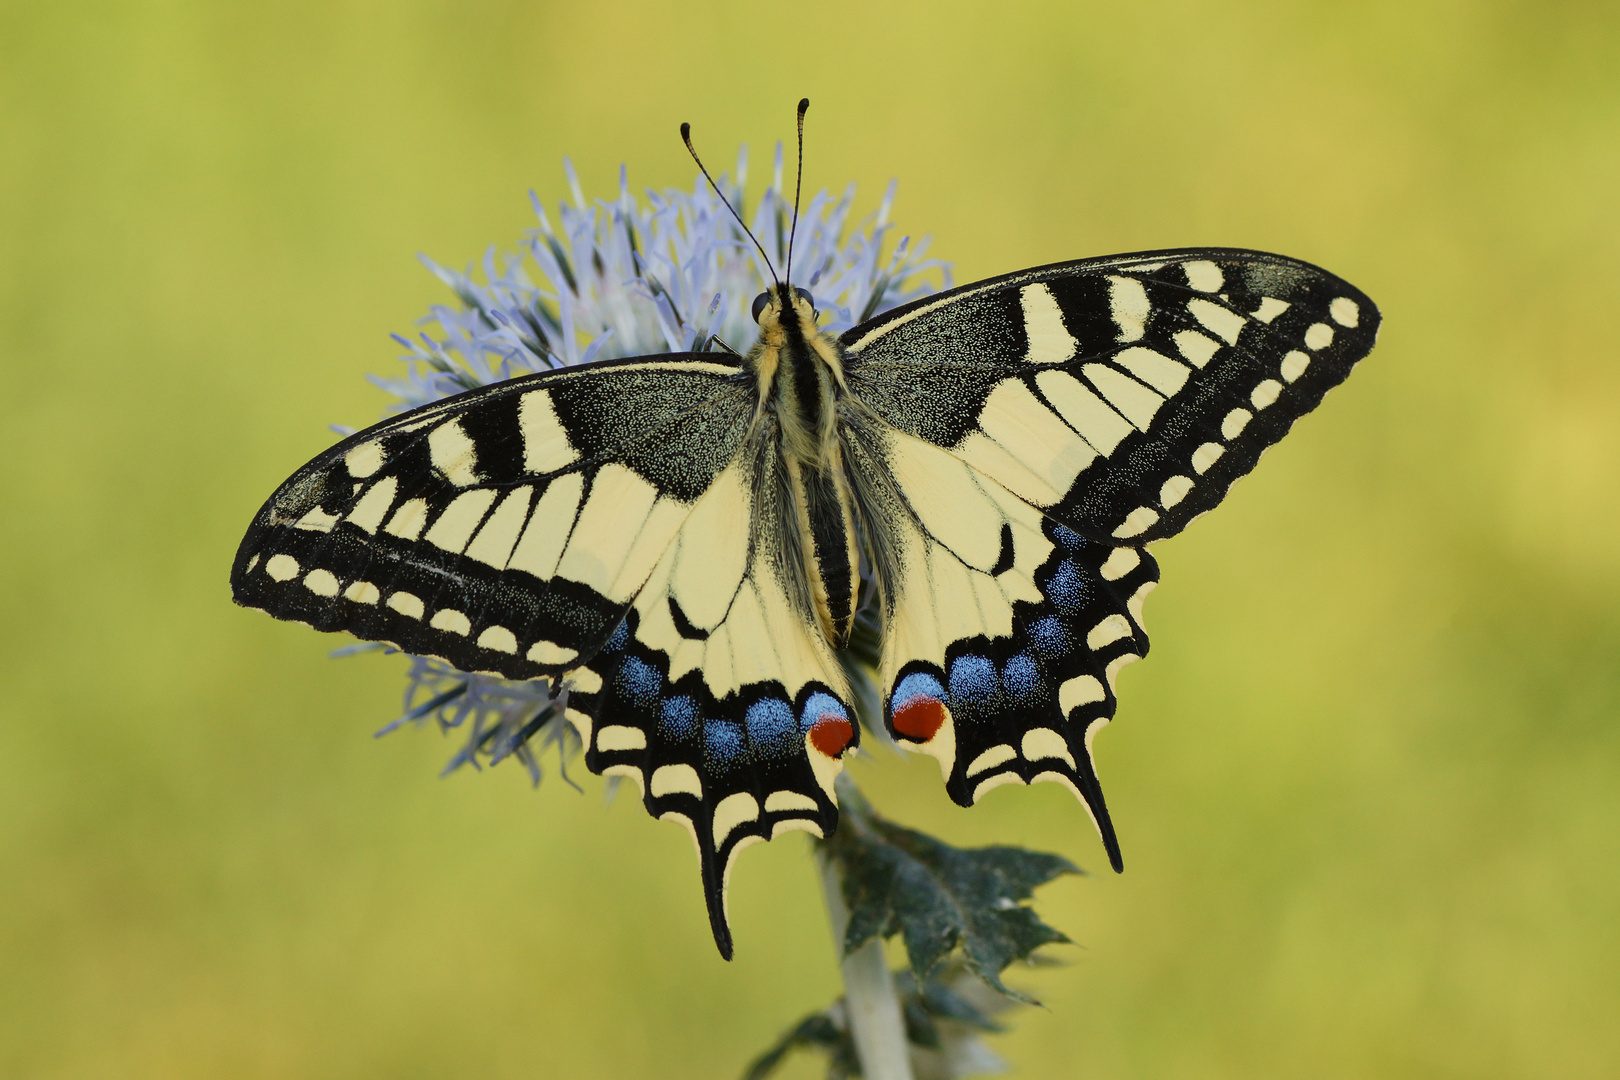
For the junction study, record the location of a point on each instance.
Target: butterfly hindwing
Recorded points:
(1122, 396)
(507, 529)
(716, 697)
(1005, 631)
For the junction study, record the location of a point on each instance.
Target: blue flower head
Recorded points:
(667, 272)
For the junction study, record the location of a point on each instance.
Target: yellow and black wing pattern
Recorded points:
(1037, 431)
(600, 525)
(628, 529)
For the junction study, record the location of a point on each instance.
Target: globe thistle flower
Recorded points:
(670, 272)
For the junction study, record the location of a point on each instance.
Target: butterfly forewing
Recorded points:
(505, 530)
(1122, 396)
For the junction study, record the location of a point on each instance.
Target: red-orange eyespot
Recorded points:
(920, 718)
(831, 735)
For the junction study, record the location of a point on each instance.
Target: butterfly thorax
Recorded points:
(800, 375)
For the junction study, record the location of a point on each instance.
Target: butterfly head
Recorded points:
(778, 298)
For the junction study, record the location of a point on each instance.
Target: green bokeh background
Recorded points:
(1368, 785)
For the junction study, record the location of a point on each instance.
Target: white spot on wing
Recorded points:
(732, 811)
(1111, 672)
(494, 542)
(546, 448)
(778, 802)
(1345, 311)
(1128, 304)
(1120, 561)
(1137, 522)
(1265, 393)
(498, 639)
(362, 592)
(409, 520)
(621, 737)
(317, 520)
(1108, 631)
(281, 567)
(585, 681)
(1270, 307)
(1196, 347)
(1135, 402)
(406, 604)
(364, 459)
(1294, 365)
(992, 757)
(796, 824)
(1080, 690)
(455, 526)
(1235, 422)
(451, 621)
(1223, 322)
(1204, 275)
(321, 583)
(372, 507)
(676, 780)
(1318, 336)
(1043, 742)
(1165, 375)
(1174, 490)
(453, 453)
(550, 653)
(582, 724)
(632, 772)
(1049, 340)
(1205, 456)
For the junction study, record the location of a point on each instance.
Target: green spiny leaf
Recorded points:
(937, 897)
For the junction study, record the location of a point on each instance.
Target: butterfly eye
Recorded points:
(804, 294)
(759, 304)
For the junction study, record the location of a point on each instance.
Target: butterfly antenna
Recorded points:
(798, 182)
(686, 137)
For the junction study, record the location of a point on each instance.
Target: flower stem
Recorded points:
(870, 999)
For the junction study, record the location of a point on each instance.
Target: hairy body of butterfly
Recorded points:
(681, 540)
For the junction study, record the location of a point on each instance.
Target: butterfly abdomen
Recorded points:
(800, 373)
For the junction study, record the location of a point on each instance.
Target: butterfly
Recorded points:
(686, 542)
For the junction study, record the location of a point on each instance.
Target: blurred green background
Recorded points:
(1368, 784)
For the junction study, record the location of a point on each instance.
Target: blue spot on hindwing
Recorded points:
(679, 717)
(616, 640)
(722, 741)
(973, 680)
(771, 727)
(1050, 637)
(640, 682)
(1071, 541)
(1022, 678)
(1067, 587)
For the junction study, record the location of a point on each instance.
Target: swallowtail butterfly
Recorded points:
(681, 540)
